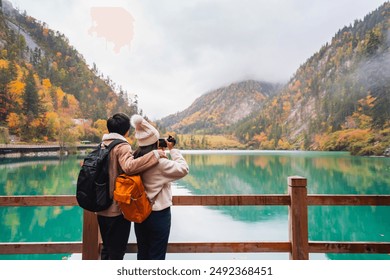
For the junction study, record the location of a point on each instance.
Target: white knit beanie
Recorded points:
(145, 133)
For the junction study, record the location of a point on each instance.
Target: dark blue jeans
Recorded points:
(153, 234)
(115, 233)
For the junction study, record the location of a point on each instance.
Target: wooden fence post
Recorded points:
(90, 236)
(298, 220)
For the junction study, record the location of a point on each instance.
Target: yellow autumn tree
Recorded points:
(60, 96)
(67, 134)
(260, 138)
(52, 125)
(283, 144)
(45, 95)
(72, 107)
(361, 118)
(101, 126)
(68, 104)
(92, 132)
(16, 90)
(14, 123)
(46, 83)
(268, 144)
(3, 64)
(319, 141)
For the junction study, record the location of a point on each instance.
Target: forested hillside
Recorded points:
(47, 91)
(216, 110)
(339, 99)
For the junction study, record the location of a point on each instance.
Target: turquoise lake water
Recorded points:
(215, 172)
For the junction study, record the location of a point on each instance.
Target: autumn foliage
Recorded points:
(49, 93)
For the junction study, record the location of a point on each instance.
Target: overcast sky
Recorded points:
(170, 52)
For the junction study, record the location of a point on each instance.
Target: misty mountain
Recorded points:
(339, 99)
(214, 111)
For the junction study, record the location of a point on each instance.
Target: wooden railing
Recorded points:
(298, 245)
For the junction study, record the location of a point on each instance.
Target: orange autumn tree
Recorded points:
(14, 122)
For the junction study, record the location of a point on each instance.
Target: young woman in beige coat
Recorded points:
(153, 234)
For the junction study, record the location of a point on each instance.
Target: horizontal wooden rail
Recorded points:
(205, 247)
(40, 248)
(173, 247)
(350, 247)
(226, 247)
(213, 200)
(221, 200)
(39, 200)
(352, 200)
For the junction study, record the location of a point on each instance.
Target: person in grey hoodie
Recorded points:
(114, 228)
(153, 233)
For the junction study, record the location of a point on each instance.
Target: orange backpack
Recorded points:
(132, 199)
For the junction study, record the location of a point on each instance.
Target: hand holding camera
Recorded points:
(167, 143)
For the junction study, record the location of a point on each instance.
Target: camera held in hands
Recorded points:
(163, 144)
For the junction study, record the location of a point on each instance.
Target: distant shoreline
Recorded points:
(27, 150)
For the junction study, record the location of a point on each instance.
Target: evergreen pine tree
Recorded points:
(374, 41)
(3, 95)
(31, 106)
(65, 102)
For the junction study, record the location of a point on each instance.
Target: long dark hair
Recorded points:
(144, 150)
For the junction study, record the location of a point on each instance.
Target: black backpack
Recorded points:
(93, 187)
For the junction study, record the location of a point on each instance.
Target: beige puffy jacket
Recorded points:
(157, 180)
